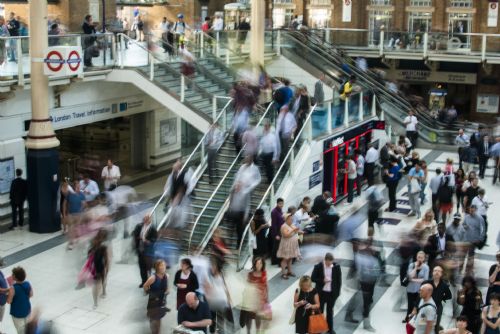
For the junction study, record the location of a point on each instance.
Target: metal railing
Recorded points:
(224, 188)
(198, 154)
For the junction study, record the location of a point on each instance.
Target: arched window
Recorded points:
(460, 22)
(380, 17)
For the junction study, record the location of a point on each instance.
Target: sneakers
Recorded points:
(411, 214)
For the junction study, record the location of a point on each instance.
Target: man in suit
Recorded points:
(145, 235)
(483, 152)
(328, 279)
(18, 194)
(438, 245)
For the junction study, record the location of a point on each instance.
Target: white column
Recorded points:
(346, 112)
(257, 32)
(41, 134)
(360, 115)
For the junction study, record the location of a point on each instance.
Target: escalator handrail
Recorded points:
(186, 163)
(205, 239)
(275, 178)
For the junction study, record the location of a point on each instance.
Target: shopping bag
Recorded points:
(317, 324)
(86, 275)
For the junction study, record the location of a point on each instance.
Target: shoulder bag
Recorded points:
(317, 323)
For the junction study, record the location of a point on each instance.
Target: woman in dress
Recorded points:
(289, 246)
(491, 316)
(257, 278)
(494, 280)
(185, 280)
(460, 329)
(305, 300)
(445, 199)
(217, 297)
(425, 227)
(471, 299)
(157, 288)
(99, 251)
(19, 299)
(259, 228)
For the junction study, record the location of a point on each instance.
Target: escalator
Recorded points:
(297, 47)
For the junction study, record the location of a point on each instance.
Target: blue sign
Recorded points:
(315, 179)
(315, 166)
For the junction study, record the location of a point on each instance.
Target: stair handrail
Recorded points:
(276, 176)
(187, 162)
(236, 159)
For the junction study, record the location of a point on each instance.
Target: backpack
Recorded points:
(445, 194)
(342, 87)
(279, 96)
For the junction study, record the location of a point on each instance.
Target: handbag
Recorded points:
(292, 318)
(317, 323)
(86, 275)
(414, 186)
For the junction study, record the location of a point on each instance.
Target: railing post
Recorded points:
(224, 120)
(113, 48)
(361, 114)
(183, 87)
(374, 105)
(151, 67)
(278, 43)
(217, 45)
(202, 153)
(79, 42)
(292, 161)
(202, 42)
(327, 35)
(381, 43)
(214, 108)
(227, 57)
(382, 116)
(346, 112)
(272, 197)
(426, 44)
(122, 51)
(389, 132)
(483, 48)
(19, 50)
(329, 117)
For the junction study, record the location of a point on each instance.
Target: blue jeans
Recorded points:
(12, 50)
(422, 192)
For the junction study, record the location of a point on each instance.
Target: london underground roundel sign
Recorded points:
(54, 61)
(74, 60)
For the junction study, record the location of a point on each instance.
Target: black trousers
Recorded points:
(237, 141)
(372, 217)
(17, 209)
(274, 250)
(461, 156)
(412, 301)
(237, 219)
(326, 299)
(392, 187)
(359, 184)
(211, 155)
(412, 136)
(483, 162)
(435, 208)
(350, 190)
(367, 289)
(369, 173)
(267, 161)
(145, 265)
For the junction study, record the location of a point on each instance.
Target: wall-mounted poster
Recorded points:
(346, 10)
(492, 13)
(487, 103)
(168, 132)
(6, 174)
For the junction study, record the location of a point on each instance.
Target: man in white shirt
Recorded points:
(411, 128)
(286, 125)
(462, 141)
(426, 312)
(250, 143)
(110, 174)
(269, 152)
(217, 26)
(371, 159)
(246, 179)
(213, 141)
(352, 174)
(89, 188)
(482, 205)
(360, 169)
(434, 186)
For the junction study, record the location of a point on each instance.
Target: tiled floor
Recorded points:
(53, 276)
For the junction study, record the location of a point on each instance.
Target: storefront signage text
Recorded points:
(434, 76)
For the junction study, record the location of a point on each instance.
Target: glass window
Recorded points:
(421, 3)
(320, 17)
(282, 17)
(459, 24)
(461, 3)
(321, 2)
(283, 1)
(378, 20)
(381, 2)
(140, 1)
(419, 22)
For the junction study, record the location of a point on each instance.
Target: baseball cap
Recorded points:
(180, 16)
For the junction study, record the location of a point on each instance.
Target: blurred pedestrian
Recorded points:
(463, 142)
(76, 204)
(101, 258)
(17, 195)
(240, 125)
(185, 280)
(256, 297)
(360, 170)
(434, 185)
(474, 234)
(269, 151)
(53, 33)
(213, 141)
(393, 177)
(89, 188)
(440, 293)
(471, 299)
(145, 235)
(218, 299)
(14, 27)
(157, 289)
(245, 181)
(111, 175)
(493, 279)
(19, 297)
(411, 123)
(418, 272)
(259, 227)
(351, 178)
(286, 126)
(371, 158)
(4, 291)
(319, 92)
(250, 143)
(375, 200)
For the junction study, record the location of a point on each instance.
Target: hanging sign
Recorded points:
(346, 10)
(492, 13)
(62, 61)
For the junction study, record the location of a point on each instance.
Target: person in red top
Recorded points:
(205, 27)
(257, 277)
